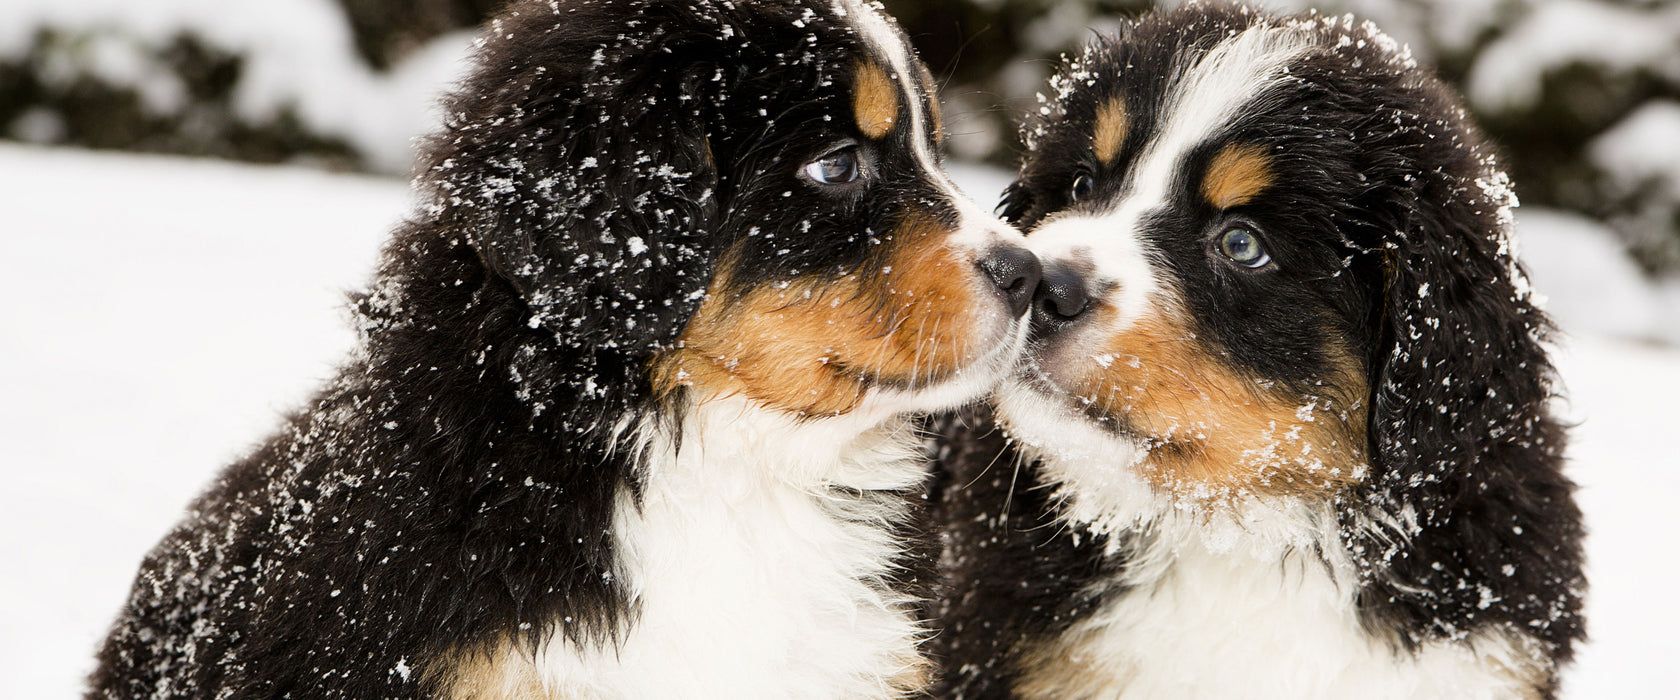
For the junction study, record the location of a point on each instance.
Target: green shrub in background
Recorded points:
(1582, 95)
(54, 91)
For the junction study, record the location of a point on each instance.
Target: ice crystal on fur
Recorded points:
(497, 491)
(1434, 517)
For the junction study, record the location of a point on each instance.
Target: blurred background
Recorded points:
(1583, 95)
(188, 187)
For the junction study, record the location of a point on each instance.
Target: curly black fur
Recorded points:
(1410, 271)
(1014, 570)
(454, 484)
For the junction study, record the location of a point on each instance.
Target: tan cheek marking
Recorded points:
(775, 346)
(1212, 431)
(1237, 175)
(914, 677)
(503, 672)
(815, 346)
(1073, 665)
(933, 291)
(1110, 132)
(874, 100)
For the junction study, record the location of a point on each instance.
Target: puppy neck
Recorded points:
(760, 553)
(1206, 597)
(734, 439)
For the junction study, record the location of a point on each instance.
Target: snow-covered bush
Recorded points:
(270, 81)
(1583, 95)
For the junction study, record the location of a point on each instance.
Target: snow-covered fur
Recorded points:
(629, 417)
(1285, 430)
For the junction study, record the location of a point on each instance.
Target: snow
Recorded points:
(1645, 146)
(161, 314)
(165, 312)
(984, 183)
(1530, 38)
(1623, 395)
(1507, 74)
(296, 53)
(1602, 290)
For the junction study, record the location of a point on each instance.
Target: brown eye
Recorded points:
(1082, 187)
(1243, 247)
(837, 168)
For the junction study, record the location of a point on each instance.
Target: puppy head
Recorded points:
(1276, 263)
(724, 198)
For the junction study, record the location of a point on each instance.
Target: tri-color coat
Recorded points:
(1285, 429)
(630, 413)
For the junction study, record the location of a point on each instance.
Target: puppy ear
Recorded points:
(1466, 501)
(1461, 380)
(578, 165)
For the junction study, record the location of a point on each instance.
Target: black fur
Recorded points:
(1010, 569)
(1404, 266)
(454, 484)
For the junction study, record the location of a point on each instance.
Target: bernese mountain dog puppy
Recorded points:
(631, 412)
(1284, 432)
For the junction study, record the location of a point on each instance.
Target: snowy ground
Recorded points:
(160, 314)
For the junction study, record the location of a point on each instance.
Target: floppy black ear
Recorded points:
(576, 162)
(1470, 516)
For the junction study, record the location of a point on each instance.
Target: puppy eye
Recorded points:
(837, 168)
(1082, 187)
(1243, 247)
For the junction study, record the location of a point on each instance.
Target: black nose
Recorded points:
(1059, 301)
(1014, 271)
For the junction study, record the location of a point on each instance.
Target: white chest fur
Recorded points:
(751, 574)
(1218, 612)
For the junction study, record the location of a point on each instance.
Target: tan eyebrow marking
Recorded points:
(1110, 132)
(1238, 174)
(874, 100)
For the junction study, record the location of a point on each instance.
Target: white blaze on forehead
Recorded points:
(882, 35)
(1202, 99)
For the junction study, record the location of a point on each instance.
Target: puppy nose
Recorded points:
(1059, 301)
(1014, 271)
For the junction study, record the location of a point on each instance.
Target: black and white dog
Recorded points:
(1285, 432)
(630, 414)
